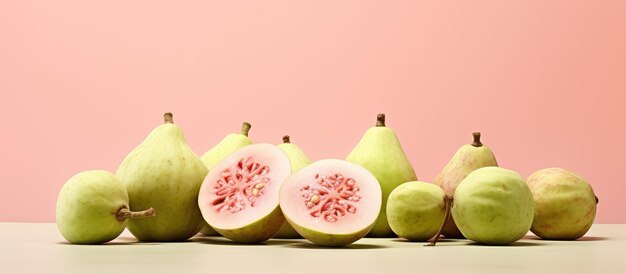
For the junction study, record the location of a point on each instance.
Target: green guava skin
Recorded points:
(330, 240)
(565, 205)
(298, 160)
(493, 206)
(87, 206)
(416, 210)
(258, 231)
(380, 151)
(287, 232)
(164, 173)
(227, 146)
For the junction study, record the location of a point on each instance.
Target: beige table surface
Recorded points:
(39, 248)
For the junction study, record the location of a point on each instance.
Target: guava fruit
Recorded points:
(298, 160)
(296, 156)
(565, 205)
(380, 151)
(228, 145)
(239, 196)
(494, 206)
(416, 210)
(92, 208)
(331, 202)
(467, 159)
(163, 172)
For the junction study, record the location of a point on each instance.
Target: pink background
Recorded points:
(83, 82)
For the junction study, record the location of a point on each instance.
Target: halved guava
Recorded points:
(239, 196)
(331, 202)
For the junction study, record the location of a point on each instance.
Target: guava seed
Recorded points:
(331, 197)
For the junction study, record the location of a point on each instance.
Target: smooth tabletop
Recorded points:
(35, 247)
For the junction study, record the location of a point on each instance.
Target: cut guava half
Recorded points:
(239, 196)
(331, 202)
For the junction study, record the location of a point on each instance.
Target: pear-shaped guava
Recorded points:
(163, 172)
(380, 151)
(467, 159)
(228, 145)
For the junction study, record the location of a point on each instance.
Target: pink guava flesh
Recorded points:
(240, 185)
(331, 202)
(331, 197)
(239, 196)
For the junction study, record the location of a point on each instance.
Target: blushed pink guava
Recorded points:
(565, 205)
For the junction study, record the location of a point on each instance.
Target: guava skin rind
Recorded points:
(164, 173)
(225, 147)
(416, 210)
(493, 206)
(329, 238)
(263, 227)
(298, 160)
(87, 205)
(465, 160)
(380, 151)
(565, 204)
(287, 232)
(258, 231)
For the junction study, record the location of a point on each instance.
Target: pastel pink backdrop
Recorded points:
(83, 82)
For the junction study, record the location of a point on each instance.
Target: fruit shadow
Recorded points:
(581, 239)
(400, 240)
(225, 241)
(515, 244)
(128, 241)
(592, 238)
(307, 245)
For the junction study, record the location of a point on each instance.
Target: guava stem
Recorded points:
(597, 199)
(245, 128)
(476, 142)
(168, 117)
(447, 200)
(124, 213)
(380, 120)
(286, 139)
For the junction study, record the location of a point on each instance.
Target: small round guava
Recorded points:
(565, 205)
(92, 208)
(416, 210)
(493, 205)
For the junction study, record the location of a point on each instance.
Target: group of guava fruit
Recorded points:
(250, 193)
